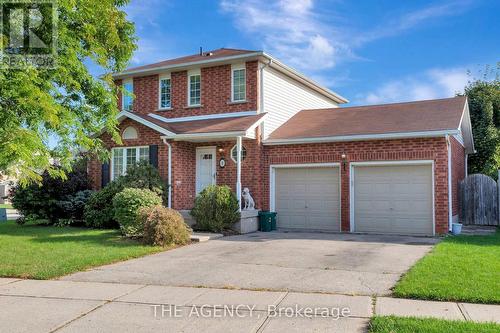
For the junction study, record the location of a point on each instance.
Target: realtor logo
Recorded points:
(28, 33)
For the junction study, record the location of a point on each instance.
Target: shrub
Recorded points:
(163, 226)
(143, 175)
(126, 205)
(215, 209)
(99, 212)
(74, 205)
(43, 199)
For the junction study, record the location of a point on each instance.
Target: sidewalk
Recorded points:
(66, 306)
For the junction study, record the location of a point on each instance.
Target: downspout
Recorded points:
(450, 212)
(169, 167)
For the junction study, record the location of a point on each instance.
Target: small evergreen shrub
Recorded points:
(215, 209)
(126, 205)
(163, 226)
(74, 205)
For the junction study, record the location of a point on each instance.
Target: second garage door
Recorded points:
(393, 199)
(308, 198)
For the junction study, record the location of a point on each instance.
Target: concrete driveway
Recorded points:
(278, 261)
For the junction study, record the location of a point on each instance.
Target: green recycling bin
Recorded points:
(267, 221)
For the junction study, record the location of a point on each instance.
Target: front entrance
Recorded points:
(205, 167)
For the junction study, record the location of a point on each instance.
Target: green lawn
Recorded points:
(392, 324)
(41, 252)
(462, 268)
(5, 206)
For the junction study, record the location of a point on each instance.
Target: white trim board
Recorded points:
(402, 135)
(272, 182)
(204, 117)
(388, 163)
(126, 114)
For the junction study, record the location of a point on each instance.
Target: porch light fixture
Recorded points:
(221, 150)
(344, 161)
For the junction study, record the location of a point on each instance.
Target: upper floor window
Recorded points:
(194, 88)
(238, 83)
(165, 92)
(128, 95)
(124, 158)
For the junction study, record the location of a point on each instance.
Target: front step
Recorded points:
(190, 221)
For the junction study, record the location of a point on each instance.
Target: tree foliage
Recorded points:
(66, 101)
(484, 105)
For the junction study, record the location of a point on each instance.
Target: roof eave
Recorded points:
(362, 137)
(186, 65)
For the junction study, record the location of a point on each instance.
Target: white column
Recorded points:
(238, 170)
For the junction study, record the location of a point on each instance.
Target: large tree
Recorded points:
(65, 101)
(484, 105)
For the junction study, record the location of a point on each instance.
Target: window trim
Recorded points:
(124, 82)
(242, 157)
(192, 73)
(164, 77)
(124, 158)
(233, 69)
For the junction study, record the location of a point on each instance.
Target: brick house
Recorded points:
(244, 119)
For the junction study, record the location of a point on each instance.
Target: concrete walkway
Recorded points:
(68, 306)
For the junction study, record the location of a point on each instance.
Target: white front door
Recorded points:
(205, 167)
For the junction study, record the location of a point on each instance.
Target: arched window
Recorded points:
(129, 133)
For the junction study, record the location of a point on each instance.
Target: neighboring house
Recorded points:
(389, 168)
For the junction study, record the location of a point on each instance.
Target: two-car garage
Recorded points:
(385, 197)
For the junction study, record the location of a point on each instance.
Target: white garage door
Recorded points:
(393, 199)
(308, 198)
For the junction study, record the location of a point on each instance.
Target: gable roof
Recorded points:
(226, 56)
(410, 119)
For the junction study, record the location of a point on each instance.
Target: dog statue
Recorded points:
(249, 202)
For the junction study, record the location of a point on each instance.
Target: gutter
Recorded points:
(341, 138)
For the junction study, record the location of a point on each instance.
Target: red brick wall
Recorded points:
(382, 150)
(184, 170)
(457, 171)
(255, 168)
(215, 92)
(146, 137)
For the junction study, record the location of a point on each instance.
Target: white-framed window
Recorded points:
(165, 89)
(128, 95)
(234, 153)
(124, 158)
(194, 88)
(238, 83)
